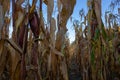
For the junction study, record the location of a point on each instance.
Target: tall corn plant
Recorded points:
(4, 31)
(16, 61)
(57, 63)
(95, 47)
(92, 46)
(96, 40)
(64, 14)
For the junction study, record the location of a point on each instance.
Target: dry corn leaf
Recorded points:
(63, 68)
(45, 1)
(50, 8)
(1, 16)
(1, 20)
(55, 51)
(6, 5)
(19, 2)
(52, 31)
(3, 53)
(49, 62)
(14, 62)
(19, 20)
(33, 6)
(32, 9)
(42, 23)
(44, 52)
(16, 73)
(13, 44)
(67, 10)
(98, 11)
(88, 3)
(59, 5)
(119, 29)
(60, 38)
(1, 46)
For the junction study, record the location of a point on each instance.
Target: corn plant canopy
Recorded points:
(39, 47)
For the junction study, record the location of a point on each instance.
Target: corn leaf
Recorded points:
(52, 31)
(1, 20)
(13, 44)
(97, 34)
(49, 62)
(63, 68)
(6, 6)
(45, 1)
(19, 2)
(98, 11)
(93, 56)
(14, 63)
(33, 6)
(56, 52)
(59, 5)
(19, 20)
(50, 8)
(3, 54)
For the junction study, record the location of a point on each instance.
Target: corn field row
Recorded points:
(36, 51)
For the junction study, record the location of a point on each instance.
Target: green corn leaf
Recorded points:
(97, 34)
(104, 34)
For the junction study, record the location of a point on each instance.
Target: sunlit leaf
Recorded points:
(59, 5)
(33, 6)
(19, 20)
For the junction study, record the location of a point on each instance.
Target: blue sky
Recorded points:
(79, 5)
